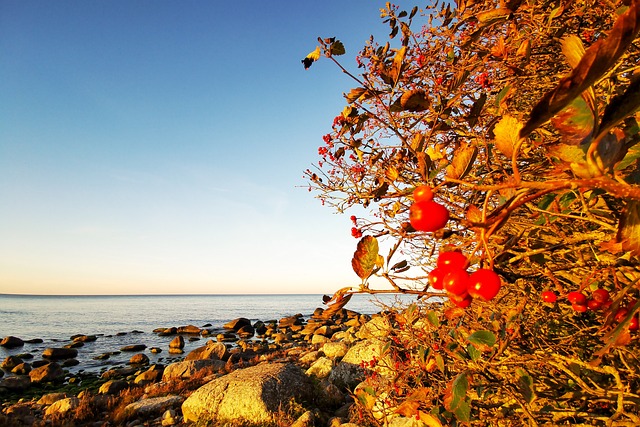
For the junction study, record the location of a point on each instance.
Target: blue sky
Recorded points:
(158, 146)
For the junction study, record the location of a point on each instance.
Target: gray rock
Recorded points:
(47, 373)
(187, 368)
(177, 342)
(133, 347)
(63, 406)
(59, 353)
(15, 383)
(238, 323)
(11, 342)
(212, 350)
(113, 387)
(152, 406)
(254, 394)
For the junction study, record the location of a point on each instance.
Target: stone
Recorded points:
(289, 321)
(226, 337)
(246, 331)
(50, 398)
(16, 383)
(84, 338)
(177, 342)
(70, 362)
(113, 387)
(139, 359)
(305, 420)
(133, 347)
(378, 327)
(59, 353)
(149, 376)
(334, 350)
(260, 328)
(10, 362)
(169, 418)
(62, 406)
(185, 369)
(212, 350)
(236, 324)
(34, 341)
(321, 368)
(309, 358)
(174, 350)
(189, 329)
(21, 369)
(11, 342)
(48, 373)
(75, 344)
(155, 350)
(319, 340)
(254, 395)
(152, 406)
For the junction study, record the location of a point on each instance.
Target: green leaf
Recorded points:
(455, 398)
(432, 317)
(365, 257)
(483, 340)
(474, 353)
(525, 385)
(336, 48)
(440, 363)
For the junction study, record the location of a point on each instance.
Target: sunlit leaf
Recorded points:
(396, 68)
(414, 100)
(620, 107)
(595, 62)
(506, 134)
(365, 257)
(476, 110)
(462, 161)
(573, 49)
(432, 317)
(429, 419)
(311, 58)
(454, 399)
(493, 16)
(629, 228)
(336, 302)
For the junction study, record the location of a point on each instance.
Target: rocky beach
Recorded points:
(294, 371)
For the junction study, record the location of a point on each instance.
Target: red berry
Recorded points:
(549, 296)
(462, 302)
(620, 314)
(436, 278)
(579, 308)
(456, 281)
(452, 259)
(423, 193)
(577, 298)
(428, 216)
(484, 284)
(601, 295)
(594, 304)
(634, 325)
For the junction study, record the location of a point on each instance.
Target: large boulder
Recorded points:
(185, 369)
(253, 395)
(10, 362)
(177, 342)
(11, 342)
(47, 373)
(349, 372)
(63, 406)
(59, 353)
(189, 329)
(238, 323)
(212, 350)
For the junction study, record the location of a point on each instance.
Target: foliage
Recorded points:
(523, 118)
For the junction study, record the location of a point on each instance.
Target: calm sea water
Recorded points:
(124, 320)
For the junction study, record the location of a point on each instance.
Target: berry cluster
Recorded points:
(451, 275)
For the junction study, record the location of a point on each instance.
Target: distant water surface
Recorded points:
(56, 318)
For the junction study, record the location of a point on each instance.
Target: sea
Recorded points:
(119, 320)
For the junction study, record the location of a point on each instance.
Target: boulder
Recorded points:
(246, 331)
(349, 372)
(152, 406)
(238, 323)
(48, 373)
(254, 395)
(63, 406)
(287, 322)
(49, 398)
(189, 329)
(378, 327)
(321, 368)
(15, 383)
(21, 369)
(305, 420)
(150, 376)
(334, 350)
(84, 338)
(133, 347)
(113, 387)
(11, 342)
(212, 350)
(139, 359)
(177, 342)
(59, 353)
(10, 362)
(185, 369)
(226, 337)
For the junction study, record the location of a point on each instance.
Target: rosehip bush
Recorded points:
(508, 132)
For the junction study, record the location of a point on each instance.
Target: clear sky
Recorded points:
(158, 146)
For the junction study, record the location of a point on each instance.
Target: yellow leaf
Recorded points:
(391, 173)
(315, 55)
(524, 50)
(573, 50)
(434, 153)
(506, 135)
(429, 419)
